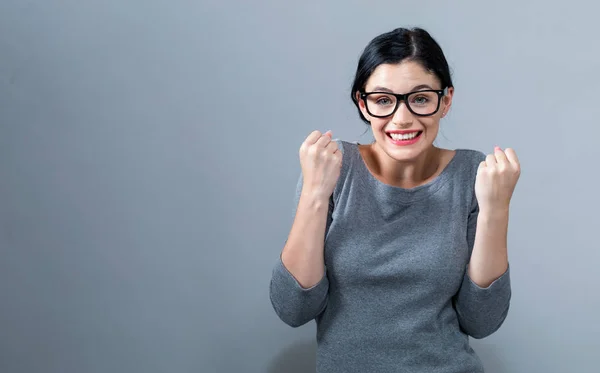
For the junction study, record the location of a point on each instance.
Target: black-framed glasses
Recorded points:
(422, 103)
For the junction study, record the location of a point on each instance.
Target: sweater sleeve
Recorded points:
(294, 304)
(481, 311)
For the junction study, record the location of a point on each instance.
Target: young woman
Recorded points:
(398, 248)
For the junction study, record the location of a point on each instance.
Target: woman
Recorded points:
(398, 248)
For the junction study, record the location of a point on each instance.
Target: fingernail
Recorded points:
(497, 148)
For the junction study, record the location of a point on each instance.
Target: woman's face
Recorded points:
(402, 134)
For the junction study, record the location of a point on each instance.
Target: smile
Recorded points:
(404, 138)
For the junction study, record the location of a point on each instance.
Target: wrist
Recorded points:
(493, 211)
(314, 200)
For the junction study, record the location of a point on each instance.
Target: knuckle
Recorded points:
(303, 149)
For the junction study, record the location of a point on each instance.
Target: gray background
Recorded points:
(148, 159)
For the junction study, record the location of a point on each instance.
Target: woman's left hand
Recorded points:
(496, 179)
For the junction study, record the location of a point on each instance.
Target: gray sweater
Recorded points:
(396, 296)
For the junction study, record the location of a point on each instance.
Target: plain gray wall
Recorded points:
(148, 160)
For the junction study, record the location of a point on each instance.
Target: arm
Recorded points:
(483, 300)
(299, 285)
(303, 252)
(489, 259)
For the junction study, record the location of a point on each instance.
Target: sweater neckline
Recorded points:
(407, 194)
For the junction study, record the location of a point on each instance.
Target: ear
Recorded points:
(447, 101)
(361, 106)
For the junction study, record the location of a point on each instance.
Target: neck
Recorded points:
(409, 173)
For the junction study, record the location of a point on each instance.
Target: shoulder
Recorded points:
(350, 156)
(472, 155)
(469, 159)
(347, 149)
(343, 145)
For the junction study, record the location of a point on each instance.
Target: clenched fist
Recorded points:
(321, 163)
(496, 179)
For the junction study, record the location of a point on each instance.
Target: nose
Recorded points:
(402, 117)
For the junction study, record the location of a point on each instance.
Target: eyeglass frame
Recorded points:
(404, 97)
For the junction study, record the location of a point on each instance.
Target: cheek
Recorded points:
(431, 131)
(378, 125)
(431, 125)
(377, 128)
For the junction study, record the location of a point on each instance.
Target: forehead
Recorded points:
(402, 77)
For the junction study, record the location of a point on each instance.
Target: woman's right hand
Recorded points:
(321, 163)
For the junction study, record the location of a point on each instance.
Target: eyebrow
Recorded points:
(415, 88)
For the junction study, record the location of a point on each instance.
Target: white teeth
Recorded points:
(406, 136)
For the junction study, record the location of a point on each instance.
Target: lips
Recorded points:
(404, 137)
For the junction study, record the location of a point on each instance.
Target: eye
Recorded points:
(384, 101)
(420, 100)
